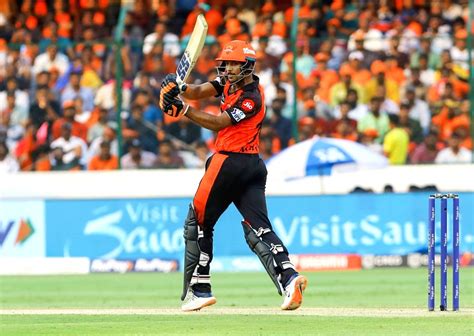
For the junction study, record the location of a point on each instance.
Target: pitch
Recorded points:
(369, 302)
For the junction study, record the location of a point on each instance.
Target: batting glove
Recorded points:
(174, 108)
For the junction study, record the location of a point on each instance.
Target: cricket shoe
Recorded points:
(195, 300)
(294, 292)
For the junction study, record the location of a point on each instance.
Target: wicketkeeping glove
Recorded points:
(174, 108)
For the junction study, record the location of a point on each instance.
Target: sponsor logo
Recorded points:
(315, 262)
(249, 51)
(25, 231)
(139, 265)
(339, 232)
(156, 265)
(138, 228)
(237, 114)
(228, 49)
(372, 261)
(111, 266)
(248, 105)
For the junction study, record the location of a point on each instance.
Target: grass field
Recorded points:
(369, 302)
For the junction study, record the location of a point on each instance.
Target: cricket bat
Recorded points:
(193, 50)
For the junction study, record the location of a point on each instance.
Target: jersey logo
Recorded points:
(237, 114)
(249, 51)
(248, 105)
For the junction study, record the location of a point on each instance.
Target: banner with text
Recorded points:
(375, 224)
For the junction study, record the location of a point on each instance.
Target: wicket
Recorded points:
(444, 251)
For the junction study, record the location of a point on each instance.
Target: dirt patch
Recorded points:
(343, 312)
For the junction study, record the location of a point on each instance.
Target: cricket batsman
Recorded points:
(234, 174)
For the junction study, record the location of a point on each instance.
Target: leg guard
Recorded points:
(265, 252)
(192, 253)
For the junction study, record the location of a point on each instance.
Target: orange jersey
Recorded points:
(246, 109)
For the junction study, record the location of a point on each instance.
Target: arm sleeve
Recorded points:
(248, 105)
(218, 84)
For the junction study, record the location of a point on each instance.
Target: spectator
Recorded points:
(97, 128)
(202, 152)
(195, 158)
(8, 164)
(262, 70)
(69, 112)
(431, 59)
(268, 134)
(419, 109)
(185, 131)
(454, 153)
(14, 117)
(343, 111)
(137, 158)
(306, 128)
(388, 105)
(169, 40)
(108, 135)
(426, 151)
(346, 130)
(266, 148)
(69, 151)
(440, 39)
(411, 126)
(168, 157)
(395, 143)
(213, 17)
(394, 51)
(105, 96)
(356, 110)
(369, 44)
(414, 80)
(82, 116)
(74, 90)
(368, 138)
(22, 100)
(304, 61)
(279, 123)
(450, 117)
(375, 119)
(144, 130)
(105, 160)
(360, 75)
(391, 87)
(338, 92)
(459, 53)
(51, 59)
(44, 109)
(151, 112)
(328, 77)
(271, 91)
(41, 158)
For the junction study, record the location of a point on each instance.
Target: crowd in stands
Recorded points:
(392, 75)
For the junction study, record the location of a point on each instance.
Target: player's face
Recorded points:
(233, 71)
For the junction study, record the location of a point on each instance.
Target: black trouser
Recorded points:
(240, 179)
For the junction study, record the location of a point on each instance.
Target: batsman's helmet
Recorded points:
(238, 51)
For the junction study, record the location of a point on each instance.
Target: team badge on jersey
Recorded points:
(237, 114)
(248, 105)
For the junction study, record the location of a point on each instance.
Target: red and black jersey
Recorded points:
(246, 109)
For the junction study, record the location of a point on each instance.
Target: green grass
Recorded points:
(379, 288)
(232, 325)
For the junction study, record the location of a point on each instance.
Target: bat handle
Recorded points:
(185, 109)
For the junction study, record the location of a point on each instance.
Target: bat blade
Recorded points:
(193, 50)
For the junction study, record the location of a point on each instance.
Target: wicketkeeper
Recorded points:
(234, 174)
